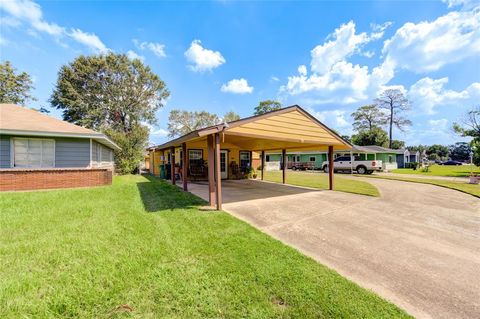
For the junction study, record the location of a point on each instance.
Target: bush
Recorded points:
(413, 165)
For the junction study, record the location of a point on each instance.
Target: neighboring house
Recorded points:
(405, 156)
(38, 152)
(317, 160)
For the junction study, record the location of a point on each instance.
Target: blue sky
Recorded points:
(329, 57)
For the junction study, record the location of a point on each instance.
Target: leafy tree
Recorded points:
(14, 88)
(397, 144)
(460, 151)
(470, 127)
(394, 102)
(230, 117)
(183, 122)
(375, 136)
(368, 116)
(267, 106)
(437, 151)
(112, 94)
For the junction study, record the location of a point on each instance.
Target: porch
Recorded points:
(226, 151)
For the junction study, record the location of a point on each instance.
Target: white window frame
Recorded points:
(12, 151)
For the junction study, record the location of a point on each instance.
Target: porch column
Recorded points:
(218, 177)
(211, 170)
(284, 168)
(330, 167)
(172, 164)
(184, 166)
(263, 163)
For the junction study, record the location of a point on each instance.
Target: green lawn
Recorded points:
(320, 180)
(460, 186)
(142, 248)
(440, 170)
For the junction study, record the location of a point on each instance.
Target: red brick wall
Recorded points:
(18, 179)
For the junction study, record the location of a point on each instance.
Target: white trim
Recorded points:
(12, 150)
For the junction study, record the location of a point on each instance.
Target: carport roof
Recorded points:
(290, 127)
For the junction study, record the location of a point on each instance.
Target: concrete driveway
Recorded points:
(417, 245)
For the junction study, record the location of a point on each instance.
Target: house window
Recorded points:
(312, 159)
(195, 157)
(33, 152)
(267, 158)
(245, 160)
(390, 158)
(296, 158)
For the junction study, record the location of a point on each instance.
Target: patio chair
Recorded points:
(197, 171)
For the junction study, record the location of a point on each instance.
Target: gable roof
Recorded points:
(18, 120)
(291, 123)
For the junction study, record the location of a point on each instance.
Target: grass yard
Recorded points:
(441, 170)
(459, 186)
(142, 248)
(320, 180)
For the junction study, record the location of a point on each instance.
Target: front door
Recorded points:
(224, 164)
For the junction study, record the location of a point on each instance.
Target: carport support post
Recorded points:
(284, 168)
(330, 167)
(172, 164)
(263, 163)
(184, 166)
(218, 177)
(211, 170)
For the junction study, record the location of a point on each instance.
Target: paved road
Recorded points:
(417, 246)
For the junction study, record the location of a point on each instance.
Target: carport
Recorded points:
(229, 146)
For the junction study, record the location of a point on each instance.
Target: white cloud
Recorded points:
(90, 40)
(159, 132)
(302, 70)
(429, 94)
(335, 80)
(30, 12)
(133, 55)
(156, 48)
(336, 119)
(427, 46)
(439, 125)
(274, 78)
(237, 86)
(343, 44)
(466, 4)
(203, 59)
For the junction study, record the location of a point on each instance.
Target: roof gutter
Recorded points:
(101, 138)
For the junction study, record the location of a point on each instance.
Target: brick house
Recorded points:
(38, 151)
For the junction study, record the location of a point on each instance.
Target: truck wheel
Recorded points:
(325, 169)
(294, 168)
(361, 170)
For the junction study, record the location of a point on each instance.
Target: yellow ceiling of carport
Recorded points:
(292, 129)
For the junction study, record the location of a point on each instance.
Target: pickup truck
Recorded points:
(343, 163)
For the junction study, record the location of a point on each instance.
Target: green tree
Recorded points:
(14, 88)
(397, 145)
(375, 136)
(230, 117)
(437, 151)
(267, 106)
(470, 127)
(182, 122)
(459, 151)
(112, 94)
(394, 102)
(368, 116)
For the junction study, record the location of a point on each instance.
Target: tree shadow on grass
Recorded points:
(158, 195)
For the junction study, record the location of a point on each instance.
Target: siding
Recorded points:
(72, 152)
(4, 151)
